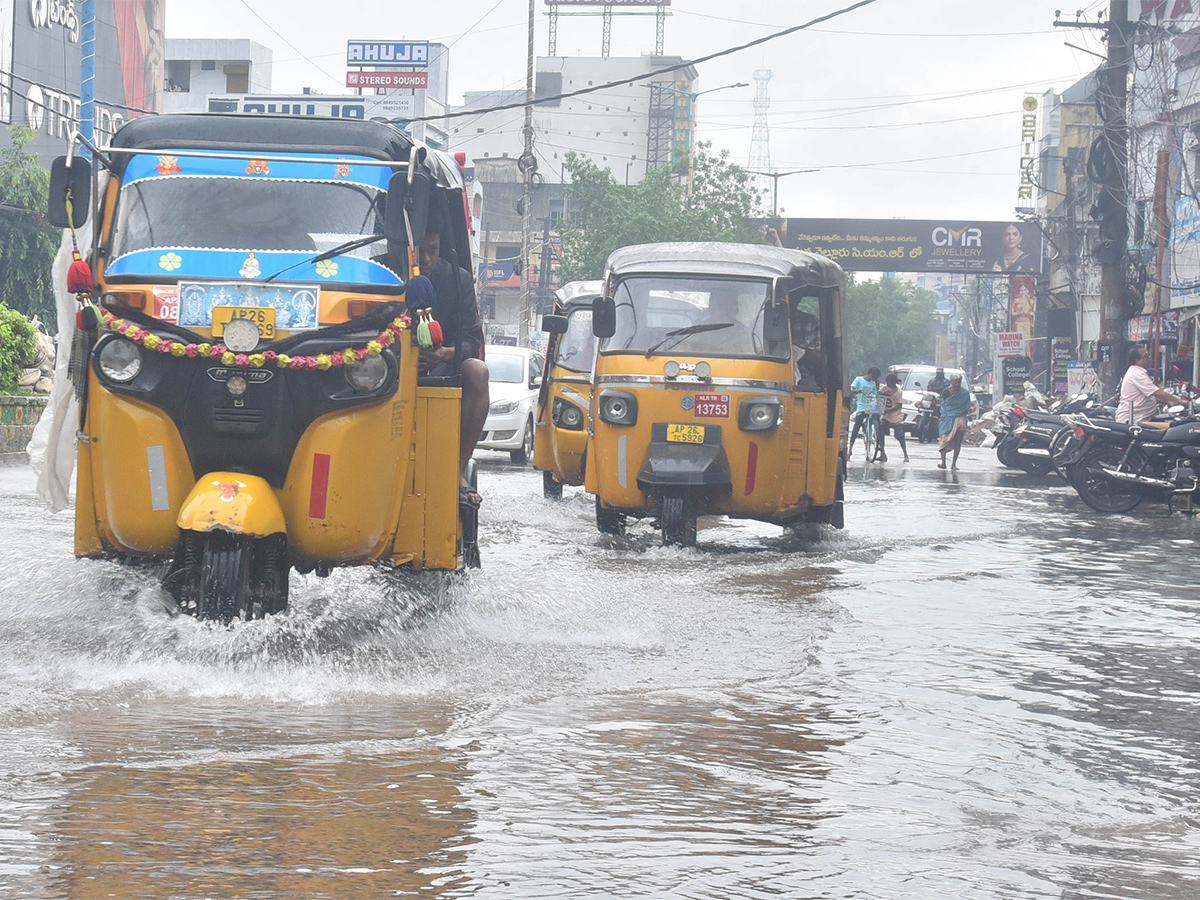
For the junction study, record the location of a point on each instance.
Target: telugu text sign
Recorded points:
(387, 53)
(918, 245)
(390, 80)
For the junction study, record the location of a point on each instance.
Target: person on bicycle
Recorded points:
(864, 387)
(893, 416)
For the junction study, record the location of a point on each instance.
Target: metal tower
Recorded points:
(760, 136)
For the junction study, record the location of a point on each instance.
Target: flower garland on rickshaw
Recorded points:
(205, 350)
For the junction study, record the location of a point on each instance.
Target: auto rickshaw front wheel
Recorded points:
(221, 576)
(677, 513)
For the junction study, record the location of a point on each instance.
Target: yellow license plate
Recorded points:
(686, 434)
(262, 316)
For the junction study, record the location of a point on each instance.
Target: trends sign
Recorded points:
(918, 245)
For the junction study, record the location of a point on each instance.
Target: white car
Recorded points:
(514, 378)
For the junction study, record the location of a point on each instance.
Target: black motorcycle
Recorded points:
(1116, 466)
(1039, 436)
(929, 412)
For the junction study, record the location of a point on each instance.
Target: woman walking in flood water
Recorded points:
(952, 427)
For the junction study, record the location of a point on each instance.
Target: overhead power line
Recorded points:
(666, 70)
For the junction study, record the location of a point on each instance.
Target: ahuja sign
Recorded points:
(387, 53)
(414, 80)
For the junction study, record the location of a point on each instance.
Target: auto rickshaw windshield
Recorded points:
(244, 214)
(577, 346)
(698, 315)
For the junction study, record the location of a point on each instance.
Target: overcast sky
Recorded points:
(909, 108)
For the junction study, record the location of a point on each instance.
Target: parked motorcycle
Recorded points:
(1116, 466)
(1033, 440)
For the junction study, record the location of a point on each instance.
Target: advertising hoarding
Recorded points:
(919, 245)
(413, 80)
(387, 53)
(1010, 343)
(1060, 358)
(608, 2)
(1159, 11)
(368, 106)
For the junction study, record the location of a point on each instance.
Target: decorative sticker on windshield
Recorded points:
(169, 262)
(168, 165)
(327, 268)
(258, 167)
(342, 171)
(250, 268)
(295, 306)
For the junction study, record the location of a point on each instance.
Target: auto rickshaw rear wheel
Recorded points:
(609, 521)
(677, 514)
(551, 487)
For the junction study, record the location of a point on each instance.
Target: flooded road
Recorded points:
(979, 689)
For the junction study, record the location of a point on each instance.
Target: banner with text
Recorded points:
(919, 245)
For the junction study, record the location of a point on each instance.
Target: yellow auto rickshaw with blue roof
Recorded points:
(560, 432)
(717, 387)
(248, 384)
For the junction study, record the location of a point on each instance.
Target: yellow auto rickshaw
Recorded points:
(717, 387)
(250, 401)
(560, 432)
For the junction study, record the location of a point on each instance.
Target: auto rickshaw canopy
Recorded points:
(723, 259)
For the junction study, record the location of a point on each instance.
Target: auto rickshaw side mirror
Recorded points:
(554, 324)
(414, 197)
(775, 323)
(604, 317)
(74, 175)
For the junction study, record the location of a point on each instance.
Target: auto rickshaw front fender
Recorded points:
(233, 501)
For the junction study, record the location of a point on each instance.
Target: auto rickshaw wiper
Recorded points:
(329, 254)
(689, 330)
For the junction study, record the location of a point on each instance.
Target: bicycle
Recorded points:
(873, 431)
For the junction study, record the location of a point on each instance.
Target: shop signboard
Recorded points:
(918, 245)
(389, 80)
(1082, 378)
(1060, 356)
(1017, 370)
(1010, 343)
(1141, 328)
(387, 53)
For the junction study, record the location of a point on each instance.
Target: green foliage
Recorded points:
(28, 242)
(18, 341)
(606, 215)
(889, 322)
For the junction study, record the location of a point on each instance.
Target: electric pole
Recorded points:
(527, 166)
(1114, 195)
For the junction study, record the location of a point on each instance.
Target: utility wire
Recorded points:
(648, 75)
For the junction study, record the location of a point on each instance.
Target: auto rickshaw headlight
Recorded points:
(566, 415)
(367, 375)
(703, 369)
(671, 368)
(618, 407)
(240, 336)
(760, 414)
(120, 360)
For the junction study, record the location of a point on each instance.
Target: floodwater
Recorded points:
(979, 689)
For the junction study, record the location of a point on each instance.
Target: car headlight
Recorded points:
(566, 415)
(503, 407)
(120, 360)
(366, 375)
(618, 407)
(760, 414)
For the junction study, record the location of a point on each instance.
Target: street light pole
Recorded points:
(775, 176)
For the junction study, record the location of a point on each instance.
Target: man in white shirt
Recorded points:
(1140, 396)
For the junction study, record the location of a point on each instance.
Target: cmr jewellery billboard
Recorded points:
(918, 245)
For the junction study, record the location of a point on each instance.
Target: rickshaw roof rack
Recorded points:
(716, 258)
(242, 133)
(574, 290)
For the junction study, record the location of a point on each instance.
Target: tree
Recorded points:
(889, 322)
(28, 242)
(606, 215)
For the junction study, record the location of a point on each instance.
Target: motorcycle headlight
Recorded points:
(760, 414)
(566, 415)
(503, 407)
(366, 375)
(120, 360)
(618, 407)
